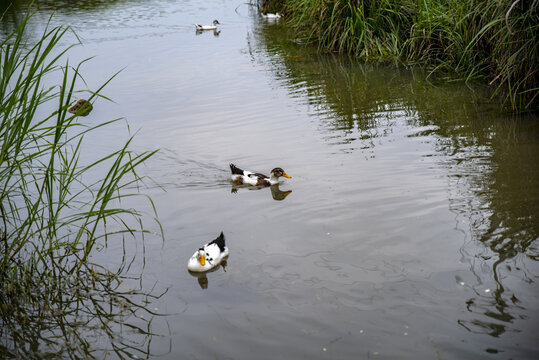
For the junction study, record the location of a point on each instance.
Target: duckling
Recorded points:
(207, 27)
(240, 176)
(209, 256)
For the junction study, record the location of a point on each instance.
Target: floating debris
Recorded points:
(81, 107)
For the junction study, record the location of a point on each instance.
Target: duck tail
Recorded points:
(220, 241)
(235, 170)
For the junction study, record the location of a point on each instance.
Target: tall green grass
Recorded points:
(51, 289)
(496, 40)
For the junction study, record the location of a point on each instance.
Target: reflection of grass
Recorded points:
(51, 294)
(496, 40)
(437, 352)
(490, 158)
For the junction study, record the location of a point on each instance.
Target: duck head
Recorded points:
(216, 22)
(278, 172)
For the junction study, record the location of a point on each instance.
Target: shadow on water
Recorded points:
(490, 157)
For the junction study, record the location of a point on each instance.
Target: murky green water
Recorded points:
(411, 228)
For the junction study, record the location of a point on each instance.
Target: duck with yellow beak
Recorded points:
(240, 176)
(209, 256)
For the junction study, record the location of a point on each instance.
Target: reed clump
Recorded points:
(52, 291)
(494, 40)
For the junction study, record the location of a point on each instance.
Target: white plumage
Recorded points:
(272, 16)
(207, 27)
(209, 256)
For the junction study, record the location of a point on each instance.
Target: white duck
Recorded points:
(240, 176)
(207, 27)
(208, 256)
(272, 16)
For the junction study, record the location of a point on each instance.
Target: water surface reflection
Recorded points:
(276, 192)
(202, 277)
(412, 228)
(490, 160)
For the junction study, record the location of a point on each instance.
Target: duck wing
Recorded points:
(259, 175)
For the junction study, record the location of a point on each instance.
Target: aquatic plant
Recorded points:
(53, 292)
(493, 40)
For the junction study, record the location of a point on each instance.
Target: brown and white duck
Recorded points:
(240, 176)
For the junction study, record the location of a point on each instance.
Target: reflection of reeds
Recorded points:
(490, 158)
(51, 296)
(497, 166)
(495, 40)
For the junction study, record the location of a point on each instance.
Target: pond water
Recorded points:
(408, 229)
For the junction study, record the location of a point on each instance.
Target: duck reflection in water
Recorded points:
(276, 193)
(202, 277)
(215, 32)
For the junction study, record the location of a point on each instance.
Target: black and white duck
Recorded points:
(208, 256)
(240, 176)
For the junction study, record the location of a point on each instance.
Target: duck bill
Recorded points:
(202, 259)
(286, 175)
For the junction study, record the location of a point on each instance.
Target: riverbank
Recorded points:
(496, 41)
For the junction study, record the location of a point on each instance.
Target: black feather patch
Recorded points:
(235, 170)
(262, 176)
(220, 241)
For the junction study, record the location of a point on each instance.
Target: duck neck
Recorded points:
(274, 179)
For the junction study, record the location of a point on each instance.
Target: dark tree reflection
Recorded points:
(490, 157)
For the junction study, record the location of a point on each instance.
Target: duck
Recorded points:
(240, 176)
(207, 27)
(209, 256)
(81, 107)
(272, 16)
